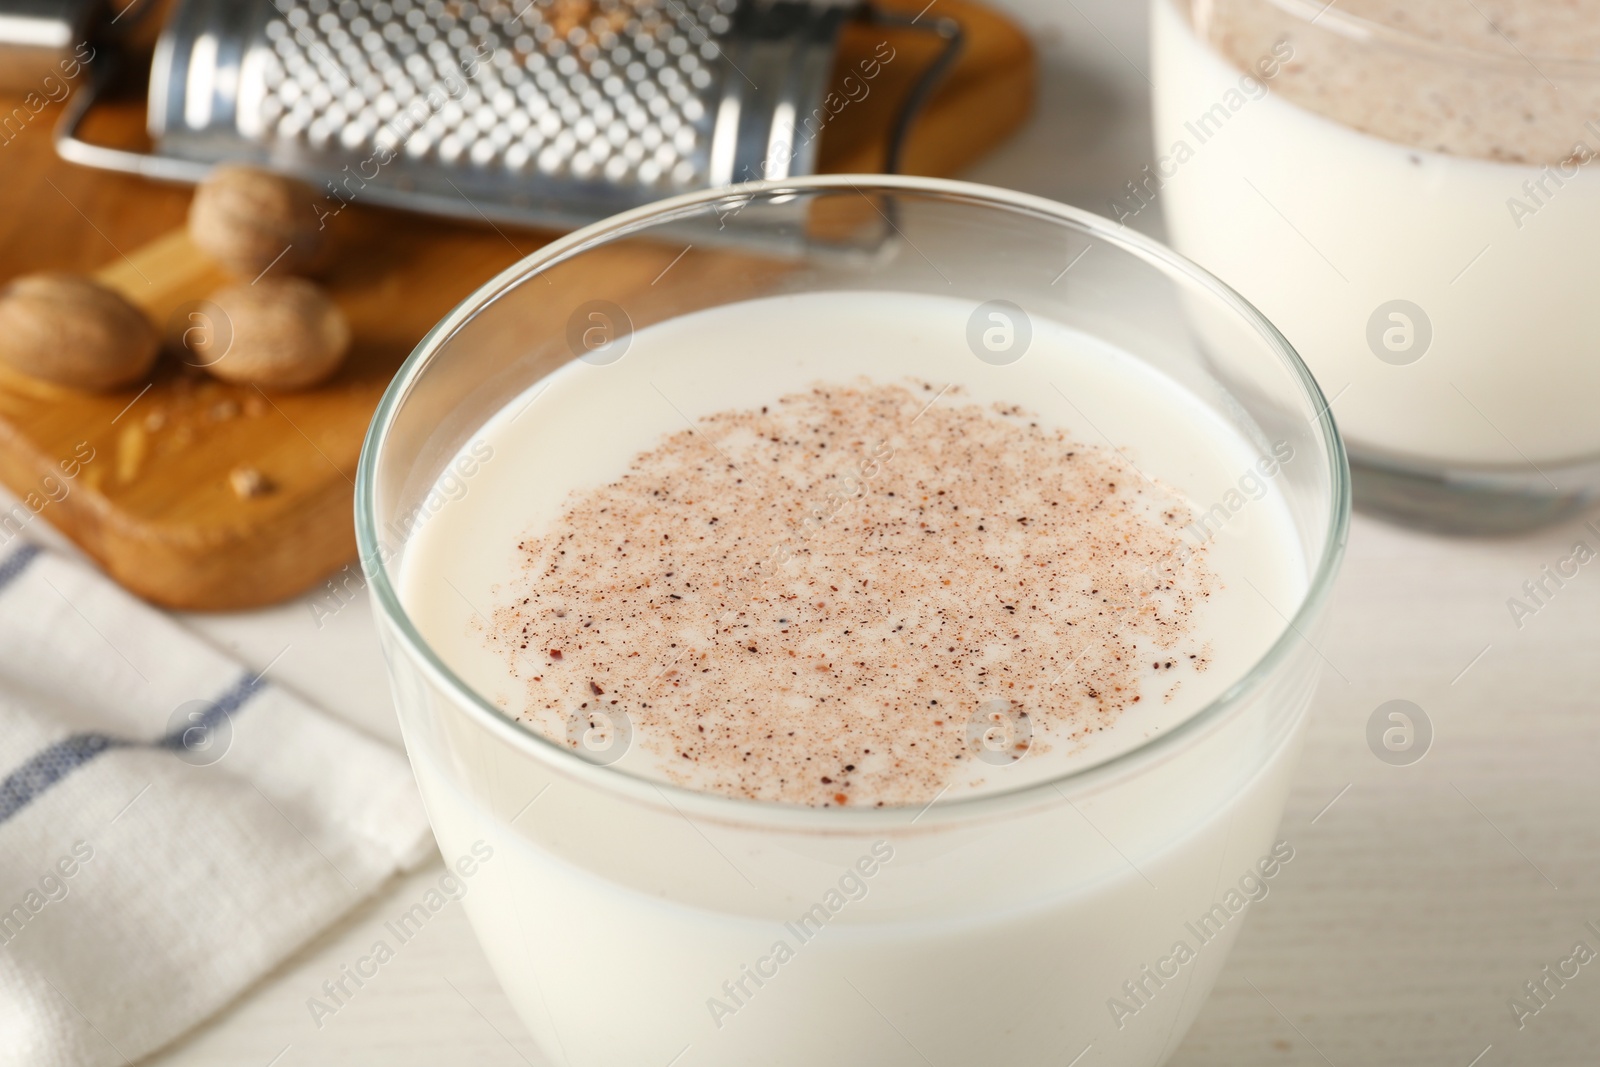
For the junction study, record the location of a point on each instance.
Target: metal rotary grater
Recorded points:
(544, 112)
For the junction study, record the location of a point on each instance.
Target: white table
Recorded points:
(1421, 898)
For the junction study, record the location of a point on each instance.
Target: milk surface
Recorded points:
(581, 426)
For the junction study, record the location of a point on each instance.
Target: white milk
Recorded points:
(582, 425)
(627, 939)
(1510, 375)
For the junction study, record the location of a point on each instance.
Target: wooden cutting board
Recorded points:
(141, 478)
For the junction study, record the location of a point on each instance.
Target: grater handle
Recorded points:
(947, 29)
(73, 149)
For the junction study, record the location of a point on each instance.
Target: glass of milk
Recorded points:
(1406, 190)
(1063, 889)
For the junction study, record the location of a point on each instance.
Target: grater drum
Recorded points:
(544, 112)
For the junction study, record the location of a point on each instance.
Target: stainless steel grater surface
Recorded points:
(545, 112)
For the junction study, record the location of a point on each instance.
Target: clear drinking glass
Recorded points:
(1414, 207)
(1002, 928)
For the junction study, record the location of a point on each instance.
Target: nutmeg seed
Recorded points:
(73, 331)
(282, 334)
(246, 219)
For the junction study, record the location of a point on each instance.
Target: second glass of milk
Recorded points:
(1082, 896)
(1408, 190)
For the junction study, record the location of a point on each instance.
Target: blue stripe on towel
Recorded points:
(47, 767)
(220, 708)
(17, 562)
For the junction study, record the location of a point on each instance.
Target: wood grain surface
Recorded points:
(154, 505)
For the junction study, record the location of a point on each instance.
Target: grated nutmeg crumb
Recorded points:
(809, 602)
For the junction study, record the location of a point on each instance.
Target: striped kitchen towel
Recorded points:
(171, 825)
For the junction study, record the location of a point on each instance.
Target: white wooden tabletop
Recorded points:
(1421, 898)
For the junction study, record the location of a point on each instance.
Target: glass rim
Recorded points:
(375, 558)
(1324, 14)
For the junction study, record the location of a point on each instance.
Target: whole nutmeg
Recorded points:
(279, 333)
(73, 331)
(246, 219)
